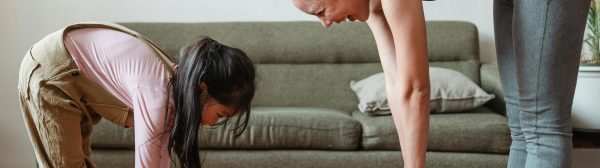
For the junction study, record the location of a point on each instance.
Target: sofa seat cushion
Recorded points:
(289, 128)
(477, 130)
(268, 128)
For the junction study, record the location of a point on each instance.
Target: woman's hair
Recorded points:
(229, 75)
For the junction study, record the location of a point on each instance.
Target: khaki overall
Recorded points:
(60, 106)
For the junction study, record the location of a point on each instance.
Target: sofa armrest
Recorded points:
(490, 82)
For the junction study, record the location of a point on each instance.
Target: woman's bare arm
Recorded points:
(399, 31)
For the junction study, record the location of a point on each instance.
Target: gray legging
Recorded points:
(538, 44)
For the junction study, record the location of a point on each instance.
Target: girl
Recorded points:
(74, 77)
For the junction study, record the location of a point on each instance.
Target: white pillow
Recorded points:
(451, 91)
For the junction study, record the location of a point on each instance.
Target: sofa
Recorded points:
(305, 114)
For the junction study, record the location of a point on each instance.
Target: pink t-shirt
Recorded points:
(130, 70)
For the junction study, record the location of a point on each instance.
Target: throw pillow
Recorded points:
(451, 91)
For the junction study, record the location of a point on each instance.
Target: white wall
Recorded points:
(26, 21)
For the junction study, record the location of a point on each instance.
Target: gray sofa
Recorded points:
(305, 112)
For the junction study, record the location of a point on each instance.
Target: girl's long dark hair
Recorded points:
(229, 75)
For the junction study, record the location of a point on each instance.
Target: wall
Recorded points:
(26, 21)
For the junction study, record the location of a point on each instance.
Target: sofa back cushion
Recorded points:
(304, 64)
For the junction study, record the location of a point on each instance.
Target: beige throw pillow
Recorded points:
(451, 91)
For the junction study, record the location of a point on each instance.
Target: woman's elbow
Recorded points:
(413, 92)
(419, 93)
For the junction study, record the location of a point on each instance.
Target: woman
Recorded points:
(399, 31)
(74, 77)
(538, 45)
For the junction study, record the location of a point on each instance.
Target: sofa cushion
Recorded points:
(308, 42)
(310, 85)
(325, 85)
(451, 91)
(344, 159)
(310, 159)
(477, 130)
(269, 128)
(289, 128)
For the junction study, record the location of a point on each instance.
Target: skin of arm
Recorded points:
(403, 54)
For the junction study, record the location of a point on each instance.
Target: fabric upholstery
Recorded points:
(312, 159)
(269, 128)
(110, 136)
(310, 85)
(309, 42)
(324, 85)
(334, 159)
(478, 130)
(451, 91)
(490, 82)
(469, 68)
(289, 128)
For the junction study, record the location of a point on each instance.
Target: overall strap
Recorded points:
(166, 61)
